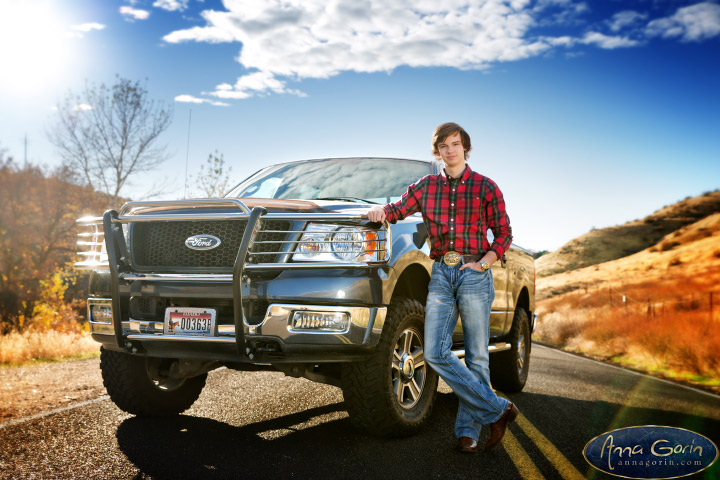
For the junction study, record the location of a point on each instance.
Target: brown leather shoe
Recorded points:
(467, 445)
(497, 429)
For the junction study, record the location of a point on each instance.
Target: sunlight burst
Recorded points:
(34, 43)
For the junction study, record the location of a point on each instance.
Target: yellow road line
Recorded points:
(528, 470)
(561, 464)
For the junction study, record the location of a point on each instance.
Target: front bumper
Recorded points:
(240, 339)
(364, 327)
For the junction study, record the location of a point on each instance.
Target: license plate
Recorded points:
(189, 321)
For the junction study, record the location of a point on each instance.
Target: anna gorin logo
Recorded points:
(202, 242)
(651, 451)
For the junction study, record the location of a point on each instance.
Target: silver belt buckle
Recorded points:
(452, 258)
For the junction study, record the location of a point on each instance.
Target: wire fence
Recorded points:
(617, 297)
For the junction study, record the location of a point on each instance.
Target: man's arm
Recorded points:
(407, 205)
(499, 223)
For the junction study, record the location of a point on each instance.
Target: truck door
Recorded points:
(500, 307)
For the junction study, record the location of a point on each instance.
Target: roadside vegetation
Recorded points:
(42, 297)
(42, 307)
(656, 311)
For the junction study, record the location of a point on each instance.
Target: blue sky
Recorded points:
(587, 114)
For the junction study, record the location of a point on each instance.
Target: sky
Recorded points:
(587, 114)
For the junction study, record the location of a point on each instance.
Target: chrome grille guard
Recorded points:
(116, 256)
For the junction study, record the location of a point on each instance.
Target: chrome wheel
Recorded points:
(521, 353)
(408, 368)
(509, 368)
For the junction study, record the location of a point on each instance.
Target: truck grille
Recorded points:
(160, 246)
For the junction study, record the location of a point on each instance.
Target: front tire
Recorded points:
(392, 393)
(509, 369)
(138, 386)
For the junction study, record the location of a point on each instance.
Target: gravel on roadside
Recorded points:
(30, 389)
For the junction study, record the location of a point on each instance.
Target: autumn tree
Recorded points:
(213, 179)
(38, 235)
(105, 134)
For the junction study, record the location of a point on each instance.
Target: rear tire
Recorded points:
(392, 393)
(137, 385)
(509, 369)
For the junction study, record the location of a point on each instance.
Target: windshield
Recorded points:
(374, 180)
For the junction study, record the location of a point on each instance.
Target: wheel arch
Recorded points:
(413, 283)
(523, 300)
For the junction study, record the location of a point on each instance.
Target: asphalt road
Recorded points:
(261, 424)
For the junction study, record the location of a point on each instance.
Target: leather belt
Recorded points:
(454, 258)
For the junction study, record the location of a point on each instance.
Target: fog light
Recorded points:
(101, 313)
(307, 321)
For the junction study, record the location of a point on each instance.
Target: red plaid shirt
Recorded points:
(457, 213)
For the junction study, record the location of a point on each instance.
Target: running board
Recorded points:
(492, 348)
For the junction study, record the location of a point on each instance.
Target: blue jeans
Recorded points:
(470, 294)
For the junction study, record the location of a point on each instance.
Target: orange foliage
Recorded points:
(37, 240)
(666, 325)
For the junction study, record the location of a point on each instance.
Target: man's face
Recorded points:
(452, 151)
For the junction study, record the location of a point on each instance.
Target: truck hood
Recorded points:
(306, 206)
(272, 205)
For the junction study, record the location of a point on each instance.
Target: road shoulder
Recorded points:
(31, 389)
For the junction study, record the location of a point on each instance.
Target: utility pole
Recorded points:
(187, 154)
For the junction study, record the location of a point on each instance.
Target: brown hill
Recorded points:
(606, 244)
(686, 256)
(656, 310)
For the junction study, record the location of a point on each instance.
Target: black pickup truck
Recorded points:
(286, 273)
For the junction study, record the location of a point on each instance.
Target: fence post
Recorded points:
(648, 309)
(624, 299)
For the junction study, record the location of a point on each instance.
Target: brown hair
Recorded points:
(443, 131)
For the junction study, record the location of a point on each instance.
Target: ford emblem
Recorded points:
(202, 242)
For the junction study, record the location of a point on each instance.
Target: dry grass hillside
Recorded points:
(691, 253)
(657, 310)
(606, 244)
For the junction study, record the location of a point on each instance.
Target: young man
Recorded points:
(458, 206)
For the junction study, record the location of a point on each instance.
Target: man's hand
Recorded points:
(473, 265)
(376, 214)
(489, 257)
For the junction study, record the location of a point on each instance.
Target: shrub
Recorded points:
(27, 346)
(666, 246)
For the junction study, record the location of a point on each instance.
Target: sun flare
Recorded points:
(34, 45)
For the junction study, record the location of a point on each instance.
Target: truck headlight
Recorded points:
(333, 243)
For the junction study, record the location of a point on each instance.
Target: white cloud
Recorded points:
(171, 5)
(624, 19)
(78, 31)
(86, 27)
(315, 39)
(694, 23)
(82, 107)
(191, 99)
(131, 13)
(291, 40)
(608, 42)
(257, 83)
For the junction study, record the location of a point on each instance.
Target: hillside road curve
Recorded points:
(263, 424)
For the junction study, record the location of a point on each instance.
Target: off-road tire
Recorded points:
(509, 369)
(130, 386)
(369, 387)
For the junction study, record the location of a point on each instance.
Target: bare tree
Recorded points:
(106, 134)
(213, 179)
